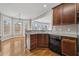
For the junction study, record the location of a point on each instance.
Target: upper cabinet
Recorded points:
(68, 16)
(57, 15)
(77, 6)
(64, 14)
(77, 13)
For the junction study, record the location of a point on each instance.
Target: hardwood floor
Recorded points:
(41, 52)
(13, 47)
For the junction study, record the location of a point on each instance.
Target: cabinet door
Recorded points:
(42, 43)
(69, 46)
(45, 40)
(57, 15)
(33, 41)
(69, 13)
(42, 40)
(39, 40)
(77, 5)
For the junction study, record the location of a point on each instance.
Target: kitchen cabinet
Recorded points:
(42, 40)
(33, 41)
(64, 14)
(68, 16)
(77, 5)
(68, 46)
(38, 41)
(57, 15)
(46, 40)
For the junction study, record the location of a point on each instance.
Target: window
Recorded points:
(6, 25)
(17, 26)
(39, 25)
(0, 26)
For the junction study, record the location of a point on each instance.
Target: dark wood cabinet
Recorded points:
(68, 45)
(64, 14)
(57, 15)
(77, 5)
(46, 40)
(69, 12)
(38, 41)
(42, 40)
(33, 41)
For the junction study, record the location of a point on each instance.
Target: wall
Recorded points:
(46, 19)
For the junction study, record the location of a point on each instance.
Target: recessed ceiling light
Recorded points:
(44, 5)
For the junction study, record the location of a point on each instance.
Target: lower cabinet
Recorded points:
(39, 41)
(42, 40)
(68, 45)
(33, 41)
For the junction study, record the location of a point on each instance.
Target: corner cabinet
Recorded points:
(64, 14)
(38, 41)
(42, 40)
(33, 41)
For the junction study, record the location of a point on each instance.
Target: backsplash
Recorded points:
(70, 29)
(78, 29)
(66, 30)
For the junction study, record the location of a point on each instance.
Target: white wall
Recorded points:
(47, 19)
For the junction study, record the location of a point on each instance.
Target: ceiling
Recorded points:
(25, 10)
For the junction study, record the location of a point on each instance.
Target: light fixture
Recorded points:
(19, 23)
(45, 5)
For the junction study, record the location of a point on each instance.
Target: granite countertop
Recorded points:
(69, 34)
